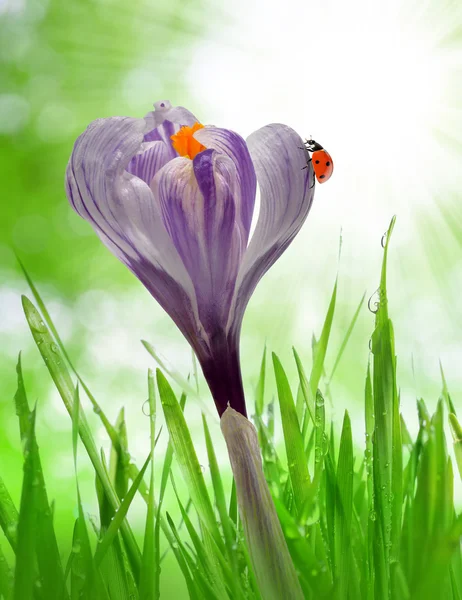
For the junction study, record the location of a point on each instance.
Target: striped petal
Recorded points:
(151, 157)
(124, 213)
(198, 200)
(233, 145)
(286, 195)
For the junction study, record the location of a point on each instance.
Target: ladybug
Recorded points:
(323, 164)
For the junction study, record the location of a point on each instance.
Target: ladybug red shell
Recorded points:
(323, 165)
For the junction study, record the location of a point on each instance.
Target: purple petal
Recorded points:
(163, 134)
(152, 157)
(286, 195)
(233, 145)
(122, 210)
(198, 206)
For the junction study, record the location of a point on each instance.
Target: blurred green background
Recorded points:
(377, 84)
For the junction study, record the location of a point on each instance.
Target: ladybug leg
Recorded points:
(307, 164)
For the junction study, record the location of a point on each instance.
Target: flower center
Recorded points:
(185, 143)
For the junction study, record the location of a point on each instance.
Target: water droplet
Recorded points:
(383, 488)
(202, 468)
(373, 303)
(96, 409)
(317, 454)
(372, 515)
(314, 573)
(319, 399)
(383, 241)
(146, 408)
(54, 348)
(76, 547)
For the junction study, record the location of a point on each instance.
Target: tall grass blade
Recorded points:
(186, 457)
(298, 467)
(54, 362)
(150, 566)
(48, 556)
(25, 574)
(9, 515)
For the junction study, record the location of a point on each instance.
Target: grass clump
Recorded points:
(372, 523)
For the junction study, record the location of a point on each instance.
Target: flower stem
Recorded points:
(268, 549)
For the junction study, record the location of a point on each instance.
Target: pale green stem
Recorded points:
(268, 550)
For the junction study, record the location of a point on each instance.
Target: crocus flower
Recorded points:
(174, 201)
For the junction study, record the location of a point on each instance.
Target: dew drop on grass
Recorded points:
(317, 454)
(319, 399)
(146, 409)
(54, 348)
(372, 515)
(76, 547)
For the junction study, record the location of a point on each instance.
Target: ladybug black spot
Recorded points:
(321, 176)
(328, 163)
(317, 162)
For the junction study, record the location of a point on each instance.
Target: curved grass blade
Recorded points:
(344, 509)
(456, 431)
(55, 364)
(260, 391)
(187, 458)
(298, 467)
(346, 339)
(119, 516)
(49, 321)
(25, 574)
(220, 500)
(150, 565)
(48, 557)
(9, 515)
(6, 577)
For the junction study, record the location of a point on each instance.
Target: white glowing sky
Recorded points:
(373, 84)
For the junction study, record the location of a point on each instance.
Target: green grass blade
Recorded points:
(344, 509)
(83, 573)
(208, 556)
(9, 515)
(55, 364)
(25, 574)
(119, 461)
(181, 381)
(446, 394)
(260, 392)
(150, 566)
(346, 338)
(6, 577)
(49, 559)
(233, 505)
(220, 499)
(456, 431)
(119, 516)
(305, 386)
(321, 346)
(49, 321)
(186, 457)
(298, 467)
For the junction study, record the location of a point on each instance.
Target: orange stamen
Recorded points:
(185, 143)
